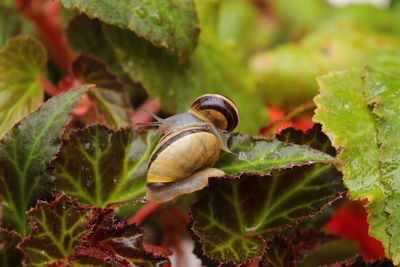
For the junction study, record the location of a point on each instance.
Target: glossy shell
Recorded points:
(180, 154)
(217, 109)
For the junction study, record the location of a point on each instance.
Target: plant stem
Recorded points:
(143, 213)
(45, 16)
(270, 128)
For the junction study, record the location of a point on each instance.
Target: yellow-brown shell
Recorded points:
(180, 154)
(217, 109)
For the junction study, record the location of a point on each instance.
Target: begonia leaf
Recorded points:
(92, 255)
(367, 99)
(10, 255)
(99, 166)
(57, 227)
(22, 63)
(85, 35)
(279, 253)
(212, 68)
(24, 155)
(238, 211)
(123, 243)
(290, 250)
(382, 85)
(261, 155)
(171, 24)
(109, 98)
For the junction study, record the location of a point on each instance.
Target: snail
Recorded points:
(190, 145)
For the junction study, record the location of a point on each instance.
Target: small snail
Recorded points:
(190, 145)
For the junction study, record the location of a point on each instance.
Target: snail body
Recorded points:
(190, 145)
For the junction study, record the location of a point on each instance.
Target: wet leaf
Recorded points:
(213, 68)
(340, 104)
(239, 210)
(262, 155)
(24, 155)
(382, 85)
(10, 255)
(57, 227)
(171, 24)
(22, 63)
(368, 100)
(109, 98)
(100, 166)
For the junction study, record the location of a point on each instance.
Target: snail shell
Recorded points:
(217, 109)
(182, 160)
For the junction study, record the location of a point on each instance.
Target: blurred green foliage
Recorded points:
(289, 43)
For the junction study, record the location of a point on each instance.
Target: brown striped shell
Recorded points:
(180, 154)
(217, 109)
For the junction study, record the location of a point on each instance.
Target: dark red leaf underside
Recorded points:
(123, 240)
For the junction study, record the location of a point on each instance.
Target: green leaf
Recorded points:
(368, 100)
(99, 166)
(22, 63)
(85, 35)
(212, 68)
(57, 227)
(382, 84)
(10, 255)
(109, 99)
(262, 155)
(171, 24)
(341, 103)
(24, 155)
(238, 210)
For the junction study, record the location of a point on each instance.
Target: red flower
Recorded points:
(350, 221)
